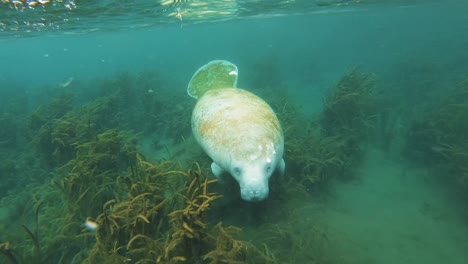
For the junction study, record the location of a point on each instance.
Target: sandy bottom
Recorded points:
(395, 214)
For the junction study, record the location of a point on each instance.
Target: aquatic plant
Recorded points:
(438, 136)
(129, 226)
(231, 250)
(8, 253)
(56, 138)
(332, 146)
(145, 102)
(348, 117)
(350, 106)
(322, 159)
(294, 241)
(162, 220)
(189, 224)
(9, 132)
(35, 235)
(87, 181)
(78, 191)
(8, 171)
(55, 235)
(306, 157)
(58, 107)
(89, 161)
(12, 252)
(161, 212)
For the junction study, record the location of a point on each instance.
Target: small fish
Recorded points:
(67, 83)
(91, 225)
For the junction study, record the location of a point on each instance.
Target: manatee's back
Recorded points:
(235, 122)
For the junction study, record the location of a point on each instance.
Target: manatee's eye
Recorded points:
(268, 169)
(236, 171)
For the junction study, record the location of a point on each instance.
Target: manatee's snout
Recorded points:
(254, 193)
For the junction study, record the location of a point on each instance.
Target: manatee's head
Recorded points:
(253, 178)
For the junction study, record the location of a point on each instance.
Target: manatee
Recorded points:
(237, 129)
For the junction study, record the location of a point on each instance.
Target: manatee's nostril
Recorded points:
(254, 193)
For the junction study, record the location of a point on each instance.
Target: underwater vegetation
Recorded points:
(141, 211)
(57, 128)
(147, 103)
(407, 94)
(8, 141)
(350, 106)
(9, 131)
(88, 181)
(133, 102)
(145, 212)
(164, 220)
(296, 239)
(348, 117)
(77, 190)
(18, 165)
(438, 136)
(333, 145)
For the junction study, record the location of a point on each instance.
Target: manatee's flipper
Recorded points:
(213, 75)
(217, 171)
(281, 168)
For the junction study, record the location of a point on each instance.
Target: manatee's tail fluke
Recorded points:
(213, 75)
